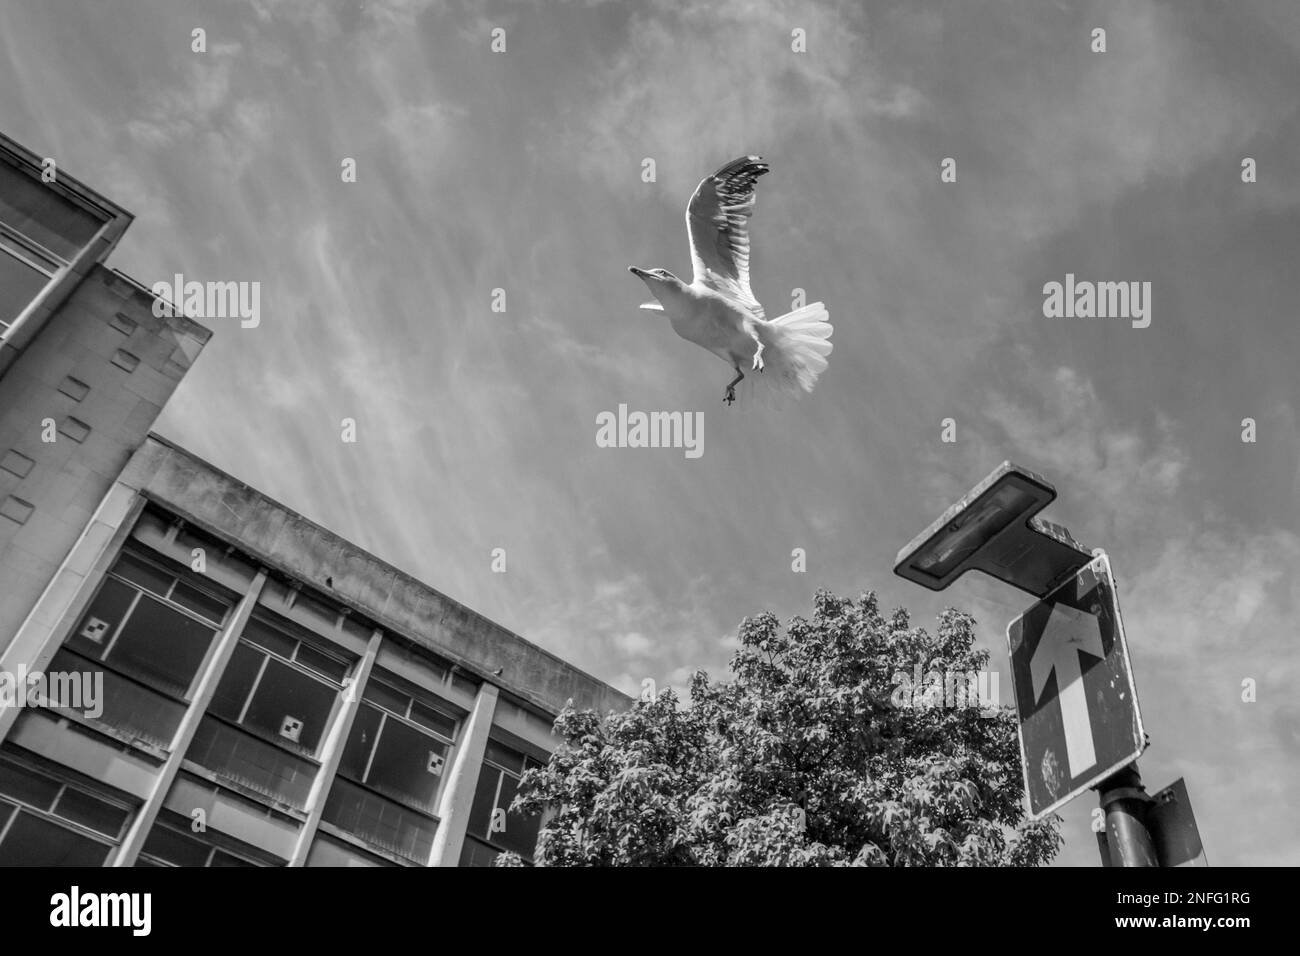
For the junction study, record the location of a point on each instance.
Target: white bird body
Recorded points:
(706, 317)
(717, 310)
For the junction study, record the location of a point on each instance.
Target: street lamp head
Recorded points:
(993, 529)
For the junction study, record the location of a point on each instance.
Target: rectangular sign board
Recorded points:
(1074, 689)
(1173, 829)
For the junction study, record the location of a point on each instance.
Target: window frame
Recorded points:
(30, 251)
(65, 783)
(529, 761)
(385, 714)
(76, 197)
(340, 687)
(214, 846)
(104, 660)
(33, 255)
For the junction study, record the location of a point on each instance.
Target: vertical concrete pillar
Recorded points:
(207, 687)
(458, 793)
(332, 752)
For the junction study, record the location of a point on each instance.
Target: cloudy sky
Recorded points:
(522, 171)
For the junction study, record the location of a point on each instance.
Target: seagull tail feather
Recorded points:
(795, 348)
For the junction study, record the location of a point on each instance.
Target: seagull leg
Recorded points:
(730, 395)
(758, 353)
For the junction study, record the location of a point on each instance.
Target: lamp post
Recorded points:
(994, 528)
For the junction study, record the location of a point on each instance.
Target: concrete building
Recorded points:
(225, 683)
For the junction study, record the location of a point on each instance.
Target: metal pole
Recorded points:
(1125, 802)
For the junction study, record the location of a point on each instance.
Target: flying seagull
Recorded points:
(717, 310)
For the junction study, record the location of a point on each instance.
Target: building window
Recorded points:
(20, 282)
(127, 707)
(281, 687)
(40, 232)
(393, 767)
(149, 630)
(172, 842)
(477, 853)
(48, 820)
(491, 820)
(268, 717)
(252, 763)
(399, 745)
(379, 821)
(42, 216)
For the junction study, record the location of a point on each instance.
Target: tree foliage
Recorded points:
(803, 758)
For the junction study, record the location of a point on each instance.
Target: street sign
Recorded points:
(1074, 690)
(1173, 827)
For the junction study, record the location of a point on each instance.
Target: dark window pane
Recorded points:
(144, 574)
(380, 821)
(161, 647)
(504, 757)
(408, 765)
(19, 284)
(237, 682)
(91, 812)
(214, 609)
(171, 843)
(321, 663)
(38, 212)
(477, 854)
(509, 786)
(27, 785)
(264, 635)
(520, 833)
(100, 622)
(290, 706)
(128, 707)
(175, 847)
(244, 759)
(433, 719)
(385, 696)
(480, 814)
(356, 754)
(33, 841)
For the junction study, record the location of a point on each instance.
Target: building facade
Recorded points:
(192, 674)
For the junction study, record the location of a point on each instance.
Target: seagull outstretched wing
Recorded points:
(718, 220)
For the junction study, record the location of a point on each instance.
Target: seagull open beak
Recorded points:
(639, 273)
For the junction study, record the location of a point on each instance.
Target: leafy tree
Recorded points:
(812, 755)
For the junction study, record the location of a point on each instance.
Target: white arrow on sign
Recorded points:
(1068, 632)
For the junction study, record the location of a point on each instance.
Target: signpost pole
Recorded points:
(1125, 801)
